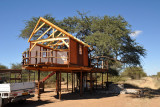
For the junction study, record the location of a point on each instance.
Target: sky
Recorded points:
(143, 15)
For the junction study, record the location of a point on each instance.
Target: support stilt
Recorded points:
(86, 83)
(38, 84)
(67, 81)
(102, 80)
(107, 75)
(57, 83)
(60, 86)
(91, 85)
(72, 82)
(81, 84)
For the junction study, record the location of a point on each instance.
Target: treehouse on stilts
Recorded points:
(58, 52)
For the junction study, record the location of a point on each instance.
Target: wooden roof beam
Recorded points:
(50, 39)
(34, 30)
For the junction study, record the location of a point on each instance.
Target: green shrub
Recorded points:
(134, 72)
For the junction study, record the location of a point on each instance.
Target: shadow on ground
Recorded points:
(143, 92)
(96, 94)
(28, 103)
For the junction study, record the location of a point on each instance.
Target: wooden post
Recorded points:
(29, 76)
(40, 54)
(107, 74)
(36, 57)
(72, 82)
(25, 57)
(15, 77)
(77, 81)
(38, 84)
(52, 57)
(91, 85)
(21, 76)
(57, 83)
(96, 75)
(81, 84)
(60, 87)
(67, 81)
(102, 80)
(86, 82)
(9, 77)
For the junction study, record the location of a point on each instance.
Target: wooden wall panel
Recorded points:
(73, 51)
(80, 54)
(85, 56)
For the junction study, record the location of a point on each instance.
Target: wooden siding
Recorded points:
(85, 56)
(73, 51)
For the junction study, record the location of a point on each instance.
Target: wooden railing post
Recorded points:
(36, 57)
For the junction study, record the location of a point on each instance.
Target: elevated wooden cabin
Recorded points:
(55, 47)
(60, 52)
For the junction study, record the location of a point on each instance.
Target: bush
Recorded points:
(134, 72)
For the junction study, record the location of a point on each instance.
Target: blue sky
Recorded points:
(143, 15)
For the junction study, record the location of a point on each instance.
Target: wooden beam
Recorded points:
(59, 34)
(49, 39)
(65, 43)
(40, 38)
(51, 48)
(39, 27)
(34, 30)
(56, 43)
(44, 33)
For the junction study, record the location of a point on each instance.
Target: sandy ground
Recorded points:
(49, 99)
(149, 82)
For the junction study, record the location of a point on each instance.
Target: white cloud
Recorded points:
(136, 33)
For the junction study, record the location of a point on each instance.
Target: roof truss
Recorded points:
(57, 37)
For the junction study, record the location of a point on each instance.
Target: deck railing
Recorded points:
(45, 57)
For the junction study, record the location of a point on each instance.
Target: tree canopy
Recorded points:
(108, 36)
(16, 66)
(3, 66)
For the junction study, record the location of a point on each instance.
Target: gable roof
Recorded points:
(52, 26)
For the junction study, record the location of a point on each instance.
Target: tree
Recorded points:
(158, 74)
(3, 67)
(16, 66)
(110, 37)
(134, 72)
